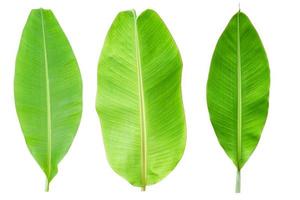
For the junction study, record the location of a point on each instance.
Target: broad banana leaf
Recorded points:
(48, 91)
(139, 98)
(238, 90)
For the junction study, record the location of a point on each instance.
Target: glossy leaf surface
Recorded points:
(48, 90)
(238, 89)
(139, 98)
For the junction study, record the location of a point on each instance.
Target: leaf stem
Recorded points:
(238, 181)
(143, 188)
(47, 185)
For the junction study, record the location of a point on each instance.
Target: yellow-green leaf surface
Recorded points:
(48, 90)
(238, 90)
(139, 98)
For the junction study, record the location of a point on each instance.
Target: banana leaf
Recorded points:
(48, 91)
(139, 98)
(238, 90)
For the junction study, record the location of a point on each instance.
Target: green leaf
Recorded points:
(139, 98)
(238, 90)
(48, 90)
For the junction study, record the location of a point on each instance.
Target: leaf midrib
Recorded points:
(141, 107)
(48, 101)
(239, 96)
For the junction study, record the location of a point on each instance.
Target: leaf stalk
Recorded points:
(47, 185)
(238, 182)
(143, 188)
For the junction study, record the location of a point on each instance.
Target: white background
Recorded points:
(205, 172)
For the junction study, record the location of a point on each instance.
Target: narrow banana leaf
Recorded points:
(48, 91)
(139, 98)
(238, 90)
